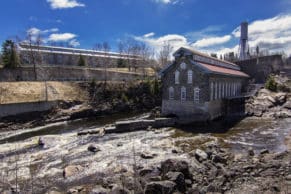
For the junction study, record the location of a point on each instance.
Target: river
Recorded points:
(119, 152)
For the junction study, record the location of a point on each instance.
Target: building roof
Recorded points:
(209, 64)
(212, 60)
(74, 51)
(224, 71)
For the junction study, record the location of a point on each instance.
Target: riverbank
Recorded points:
(103, 99)
(251, 156)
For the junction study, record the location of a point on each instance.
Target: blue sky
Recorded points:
(206, 25)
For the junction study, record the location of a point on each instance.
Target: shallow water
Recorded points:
(121, 151)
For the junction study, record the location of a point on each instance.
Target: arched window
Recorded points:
(183, 93)
(177, 74)
(171, 93)
(196, 95)
(190, 76)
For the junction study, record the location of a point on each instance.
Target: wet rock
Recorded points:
(178, 178)
(176, 166)
(145, 171)
(156, 178)
(218, 159)
(40, 142)
(200, 155)
(54, 191)
(251, 152)
(280, 98)
(264, 151)
(72, 170)
(194, 190)
(99, 190)
(119, 144)
(147, 155)
(93, 148)
(77, 190)
(119, 190)
(160, 187)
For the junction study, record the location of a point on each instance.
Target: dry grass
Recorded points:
(17, 92)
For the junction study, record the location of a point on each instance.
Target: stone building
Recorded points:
(195, 85)
(259, 68)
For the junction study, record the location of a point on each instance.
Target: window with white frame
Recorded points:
(171, 93)
(196, 95)
(177, 74)
(190, 76)
(183, 93)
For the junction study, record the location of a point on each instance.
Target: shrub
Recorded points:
(271, 84)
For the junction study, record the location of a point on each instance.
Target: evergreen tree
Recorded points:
(81, 61)
(10, 57)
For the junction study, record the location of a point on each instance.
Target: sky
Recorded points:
(210, 26)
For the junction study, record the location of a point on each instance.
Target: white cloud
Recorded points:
(74, 43)
(174, 2)
(35, 31)
(149, 35)
(64, 37)
(63, 4)
(212, 41)
(273, 34)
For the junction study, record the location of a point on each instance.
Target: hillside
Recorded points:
(17, 92)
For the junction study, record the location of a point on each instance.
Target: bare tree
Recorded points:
(164, 54)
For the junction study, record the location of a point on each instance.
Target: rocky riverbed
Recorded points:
(252, 156)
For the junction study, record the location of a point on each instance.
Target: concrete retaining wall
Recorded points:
(20, 108)
(62, 73)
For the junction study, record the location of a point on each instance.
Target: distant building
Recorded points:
(259, 68)
(195, 84)
(51, 55)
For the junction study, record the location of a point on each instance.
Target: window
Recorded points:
(211, 91)
(171, 93)
(183, 65)
(219, 90)
(196, 95)
(190, 76)
(216, 89)
(183, 93)
(177, 74)
(223, 90)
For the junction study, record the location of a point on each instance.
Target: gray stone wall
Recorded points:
(20, 108)
(61, 73)
(199, 80)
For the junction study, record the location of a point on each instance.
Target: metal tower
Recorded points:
(243, 45)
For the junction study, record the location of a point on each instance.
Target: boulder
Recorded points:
(251, 152)
(200, 155)
(145, 171)
(178, 178)
(72, 170)
(77, 190)
(99, 190)
(93, 148)
(264, 151)
(218, 159)
(160, 187)
(119, 190)
(176, 166)
(147, 155)
(280, 98)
